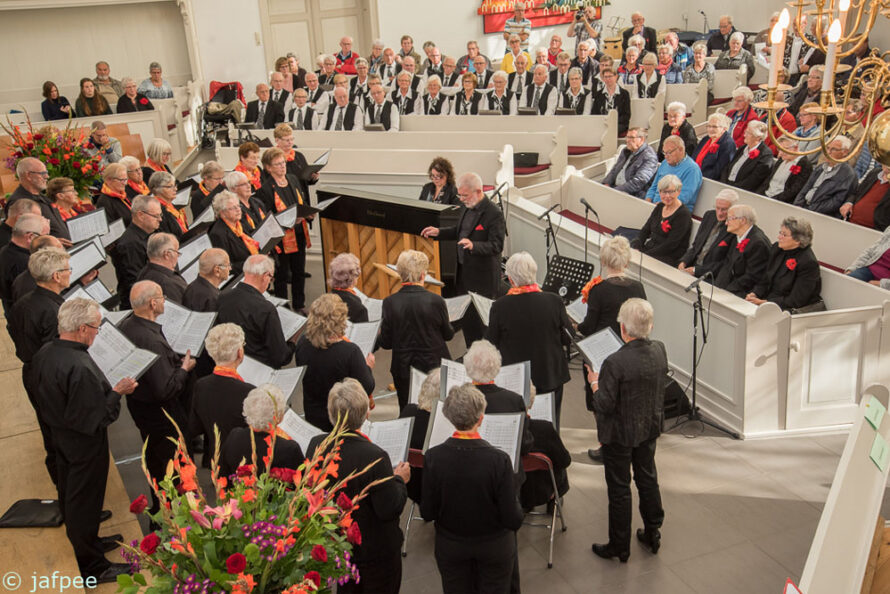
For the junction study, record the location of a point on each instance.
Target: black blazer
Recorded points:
(741, 270)
(792, 279)
(449, 194)
(115, 209)
(714, 258)
(264, 341)
(622, 106)
(357, 310)
(274, 113)
(415, 326)
(222, 237)
(198, 202)
(282, 99)
(754, 171)
(200, 295)
(687, 133)
(140, 103)
(308, 116)
(713, 164)
(538, 488)
(648, 34)
(237, 449)
(480, 270)
(533, 327)
(793, 185)
(217, 401)
(603, 302)
(882, 210)
(663, 242)
(170, 281)
(129, 256)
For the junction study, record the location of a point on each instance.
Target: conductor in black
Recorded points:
(628, 398)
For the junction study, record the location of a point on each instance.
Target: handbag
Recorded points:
(811, 308)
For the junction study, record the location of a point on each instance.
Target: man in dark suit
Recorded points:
(719, 41)
(479, 232)
(639, 28)
(130, 255)
(301, 115)
(628, 401)
(830, 183)
(635, 167)
(162, 250)
(747, 253)
(788, 175)
(278, 93)
(704, 255)
(202, 294)
(585, 61)
(517, 81)
(262, 111)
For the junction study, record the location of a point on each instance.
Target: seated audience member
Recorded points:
(202, 294)
(264, 407)
(155, 86)
(699, 68)
(809, 128)
(387, 69)
(747, 252)
(678, 164)
(752, 162)
(681, 52)
(130, 255)
(576, 97)
(649, 82)
(665, 234)
(508, 64)
(218, 399)
(317, 97)
(520, 78)
(90, 103)
(359, 86)
(302, 115)
(830, 183)
(586, 62)
(719, 41)
(19, 207)
(869, 203)
(612, 96)
(263, 112)
(157, 157)
(500, 98)
(227, 231)
(873, 264)
(584, 26)
(298, 73)
(415, 324)
(327, 65)
(469, 492)
(249, 164)
(407, 49)
(113, 196)
(708, 249)
(468, 100)
(131, 100)
(540, 94)
(538, 486)
(559, 76)
(54, 106)
(375, 56)
(410, 66)
(14, 255)
(638, 42)
(792, 277)
(784, 121)
(441, 188)
(278, 93)
(211, 184)
(666, 67)
(677, 125)
(100, 143)
(787, 175)
(433, 63)
(377, 558)
(329, 358)
(628, 71)
(343, 271)
(741, 113)
(807, 93)
(716, 150)
(403, 96)
(735, 56)
(433, 102)
(136, 185)
(162, 186)
(381, 110)
(343, 115)
(162, 250)
(345, 58)
(467, 63)
(427, 397)
(554, 49)
(451, 76)
(638, 27)
(245, 306)
(635, 167)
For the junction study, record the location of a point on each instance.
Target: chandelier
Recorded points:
(869, 79)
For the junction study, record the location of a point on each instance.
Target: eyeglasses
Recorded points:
(784, 234)
(39, 173)
(158, 216)
(166, 153)
(169, 186)
(161, 297)
(435, 175)
(118, 179)
(91, 326)
(177, 252)
(734, 218)
(63, 270)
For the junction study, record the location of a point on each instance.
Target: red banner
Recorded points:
(540, 17)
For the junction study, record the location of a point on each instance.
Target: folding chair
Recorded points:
(415, 460)
(533, 462)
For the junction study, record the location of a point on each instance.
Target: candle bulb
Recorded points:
(776, 37)
(843, 7)
(834, 35)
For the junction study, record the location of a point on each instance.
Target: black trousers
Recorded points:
(377, 576)
(618, 461)
(45, 431)
(83, 473)
(291, 268)
(557, 397)
(402, 383)
(476, 567)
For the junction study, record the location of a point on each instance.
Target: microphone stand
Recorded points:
(586, 229)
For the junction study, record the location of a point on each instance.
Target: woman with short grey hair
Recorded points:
(211, 184)
(676, 125)
(156, 86)
(348, 404)
(228, 233)
(162, 186)
(343, 271)
(522, 269)
(224, 342)
(753, 161)
(665, 234)
(482, 362)
(793, 278)
(735, 56)
(717, 148)
(636, 316)
(700, 68)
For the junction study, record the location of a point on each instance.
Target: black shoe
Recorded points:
(650, 540)
(109, 543)
(606, 552)
(110, 574)
(596, 455)
(105, 515)
(307, 275)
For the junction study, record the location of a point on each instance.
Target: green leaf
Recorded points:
(139, 579)
(210, 553)
(124, 580)
(252, 552)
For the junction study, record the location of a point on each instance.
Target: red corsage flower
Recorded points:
(714, 148)
(479, 228)
(753, 154)
(143, 101)
(791, 263)
(665, 226)
(795, 169)
(742, 245)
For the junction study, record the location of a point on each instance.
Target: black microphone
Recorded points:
(698, 281)
(588, 207)
(549, 210)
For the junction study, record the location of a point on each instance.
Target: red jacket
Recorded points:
(786, 121)
(738, 132)
(346, 66)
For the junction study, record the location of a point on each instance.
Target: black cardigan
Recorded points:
(665, 242)
(793, 185)
(686, 133)
(792, 279)
(753, 172)
(603, 302)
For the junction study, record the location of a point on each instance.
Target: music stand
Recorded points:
(567, 276)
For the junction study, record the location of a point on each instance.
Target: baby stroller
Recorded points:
(226, 106)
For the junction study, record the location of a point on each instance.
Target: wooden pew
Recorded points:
(725, 82)
(648, 113)
(693, 96)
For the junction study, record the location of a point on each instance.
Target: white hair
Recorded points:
(264, 407)
(677, 107)
(482, 361)
(45, 262)
(737, 36)
(636, 316)
(222, 200)
(223, 342)
(522, 268)
(615, 253)
(77, 312)
(159, 244)
(730, 196)
(259, 264)
(744, 211)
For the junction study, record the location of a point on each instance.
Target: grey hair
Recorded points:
(670, 181)
(143, 292)
(344, 269)
(377, 43)
(676, 107)
(211, 167)
(633, 40)
(155, 66)
(499, 74)
(730, 196)
(113, 170)
(159, 244)
(77, 312)
(21, 207)
(434, 78)
(141, 203)
(737, 36)
(470, 180)
(98, 125)
(361, 61)
(29, 223)
(539, 66)
(223, 342)
(743, 92)
(45, 262)
(643, 132)
(126, 80)
(727, 17)
(348, 402)
(817, 70)
(233, 178)
(158, 179)
(665, 46)
(676, 141)
(800, 229)
(404, 74)
(700, 45)
(463, 406)
(259, 264)
(429, 391)
(221, 201)
(210, 259)
(636, 316)
(632, 48)
(720, 119)
(745, 211)
(264, 407)
(129, 161)
(758, 128)
(21, 168)
(514, 36)
(575, 71)
(156, 148)
(482, 361)
(615, 253)
(649, 58)
(412, 265)
(846, 141)
(522, 269)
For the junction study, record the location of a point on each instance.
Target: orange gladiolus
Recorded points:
(249, 495)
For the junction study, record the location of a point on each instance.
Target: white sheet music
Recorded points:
(363, 335)
(287, 218)
(457, 307)
(84, 260)
(205, 217)
(417, 379)
(577, 310)
(269, 231)
(482, 305)
(291, 322)
(542, 407)
(393, 437)
(323, 158)
(288, 379)
(429, 280)
(515, 377)
(184, 329)
(276, 301)
(298, 429)
(116, 317)
(375, 308)
(503, 432)
(115, 230)
(439, 428)
(254, 372)
(85, 226)
(117, 357)
(190, 273)
(597, 347)
(98, 291)
(326, 203)
(183, 196)
(192, 250)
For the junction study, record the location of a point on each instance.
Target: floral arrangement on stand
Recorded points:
(64, 152)
(288, 531)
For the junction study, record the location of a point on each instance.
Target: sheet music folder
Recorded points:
(501, 430)
(597, 347)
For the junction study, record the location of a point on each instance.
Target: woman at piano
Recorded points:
(343, 271)
(441, 188)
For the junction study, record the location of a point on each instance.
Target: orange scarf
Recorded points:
(345, 290)
(466, 435)
(227, 372)
(533, 288)
(252, 176)
(140, 188)
(119, 195)
(154, 166)
(290, 236)
(585, 292)
(204, 190)
(64, 212)
(178, 214)
(253, 246)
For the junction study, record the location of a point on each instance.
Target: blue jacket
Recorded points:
(690, 175)
(640, 170)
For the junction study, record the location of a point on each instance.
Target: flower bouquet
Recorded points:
(288, 531)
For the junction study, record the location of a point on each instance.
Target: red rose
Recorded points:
(665, 226)
(285, 475)
(150, 544)
(245, 470)
(742, 245)
(143, 101)
(95, 167)
(38, 137)
(76, 164)
(30, 145)
(354, 534)
(344, 501)
(236, 563)
(722, 244)
(753, 154)
(54, 161)
(791, 263)
(139, 504)
(795, 169)
(319, 553)
(314, 577)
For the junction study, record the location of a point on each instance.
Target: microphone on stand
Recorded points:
(549, 210)
(698, 281)
(590, 208)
